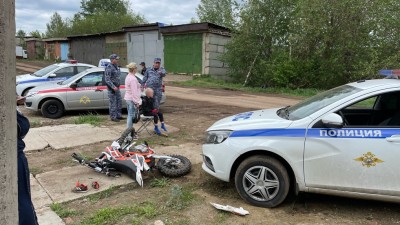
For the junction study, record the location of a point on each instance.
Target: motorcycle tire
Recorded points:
(171, 170)
(123, 138)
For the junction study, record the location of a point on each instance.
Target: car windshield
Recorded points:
(317, 102)
(46, 70)
(69, 80)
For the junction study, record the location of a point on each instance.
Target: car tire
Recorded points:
(262, 181)
(52, 109)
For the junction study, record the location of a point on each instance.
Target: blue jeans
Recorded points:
(132, 110)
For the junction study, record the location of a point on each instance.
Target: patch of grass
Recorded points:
(210, 82)
(34, 170)
(61, 211)
(179, 198)
(137, 221)
(184, 221)
(103, 194)
(90, 118)
(147, 210)
(35, 123)
(221, 217)
(108, 215)
(163, 182)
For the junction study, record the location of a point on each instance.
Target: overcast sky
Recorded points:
(33, 15)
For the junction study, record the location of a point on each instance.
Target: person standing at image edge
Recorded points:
(26, 210)
(113, 80)
(132, 93)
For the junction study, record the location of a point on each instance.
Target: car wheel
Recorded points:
(52, 109)
(262, 181)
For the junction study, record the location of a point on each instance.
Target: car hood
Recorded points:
(25, 77)
(48, 86)
(266, 118)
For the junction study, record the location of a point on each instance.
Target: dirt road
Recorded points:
(193, 110)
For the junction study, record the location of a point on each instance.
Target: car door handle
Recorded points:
(98, 90)
(393, 138)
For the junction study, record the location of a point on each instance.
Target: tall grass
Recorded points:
(90, 118)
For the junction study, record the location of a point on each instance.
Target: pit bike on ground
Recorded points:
(124, 156)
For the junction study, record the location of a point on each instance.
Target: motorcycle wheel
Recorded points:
(171, 169)
(126, 136)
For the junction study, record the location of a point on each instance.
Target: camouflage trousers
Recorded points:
(115, 105)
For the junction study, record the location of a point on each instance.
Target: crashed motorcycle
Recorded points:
(126, 157)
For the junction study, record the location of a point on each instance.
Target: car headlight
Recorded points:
(217, 137)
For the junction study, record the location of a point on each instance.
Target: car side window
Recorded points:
(65, 72)
(123, 76)
(377, 111)
(82, 68)
(90, 80)
(364, 104)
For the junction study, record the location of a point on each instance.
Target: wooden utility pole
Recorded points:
(8, 123)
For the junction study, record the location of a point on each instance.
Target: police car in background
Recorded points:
(53, 73)
(84, 91)
(345, 141)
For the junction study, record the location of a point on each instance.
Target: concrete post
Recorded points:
(8, 127)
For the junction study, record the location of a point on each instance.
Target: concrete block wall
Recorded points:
(214, 47)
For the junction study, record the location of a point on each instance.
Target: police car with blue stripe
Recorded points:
(345, 142)
(53, 73)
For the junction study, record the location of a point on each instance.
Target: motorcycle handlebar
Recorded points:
(79, 158)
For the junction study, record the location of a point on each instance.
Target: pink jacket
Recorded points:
(132, 89)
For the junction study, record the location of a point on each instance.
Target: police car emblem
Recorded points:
(84, 99)
(368, 160)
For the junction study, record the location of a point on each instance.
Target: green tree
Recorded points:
(313, 43)
(36, 34)
(92, 7)
(220, 12)
(57, 27)
(21, 35)
(262, 38)
(103, 22)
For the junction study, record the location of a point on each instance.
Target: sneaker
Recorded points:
(157, 131)
(163, 127)
(115, 120)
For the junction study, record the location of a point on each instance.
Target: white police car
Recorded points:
(53, 73)
(345, 141)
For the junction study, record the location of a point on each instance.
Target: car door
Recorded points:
(360, 157)
(88, 94)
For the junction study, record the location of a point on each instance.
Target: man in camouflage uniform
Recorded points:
(112, 78)
(153, 78)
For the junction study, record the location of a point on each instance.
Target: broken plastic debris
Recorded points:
(238, 211)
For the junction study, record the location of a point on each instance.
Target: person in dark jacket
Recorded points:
(153, 78)
(26, 211)
(150, 110)
(143, 64)
(113, 80)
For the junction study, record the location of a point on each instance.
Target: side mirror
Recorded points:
(52, 75)
(73, 85)
(332, 120)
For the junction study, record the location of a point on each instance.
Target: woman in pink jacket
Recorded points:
(132, 93)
